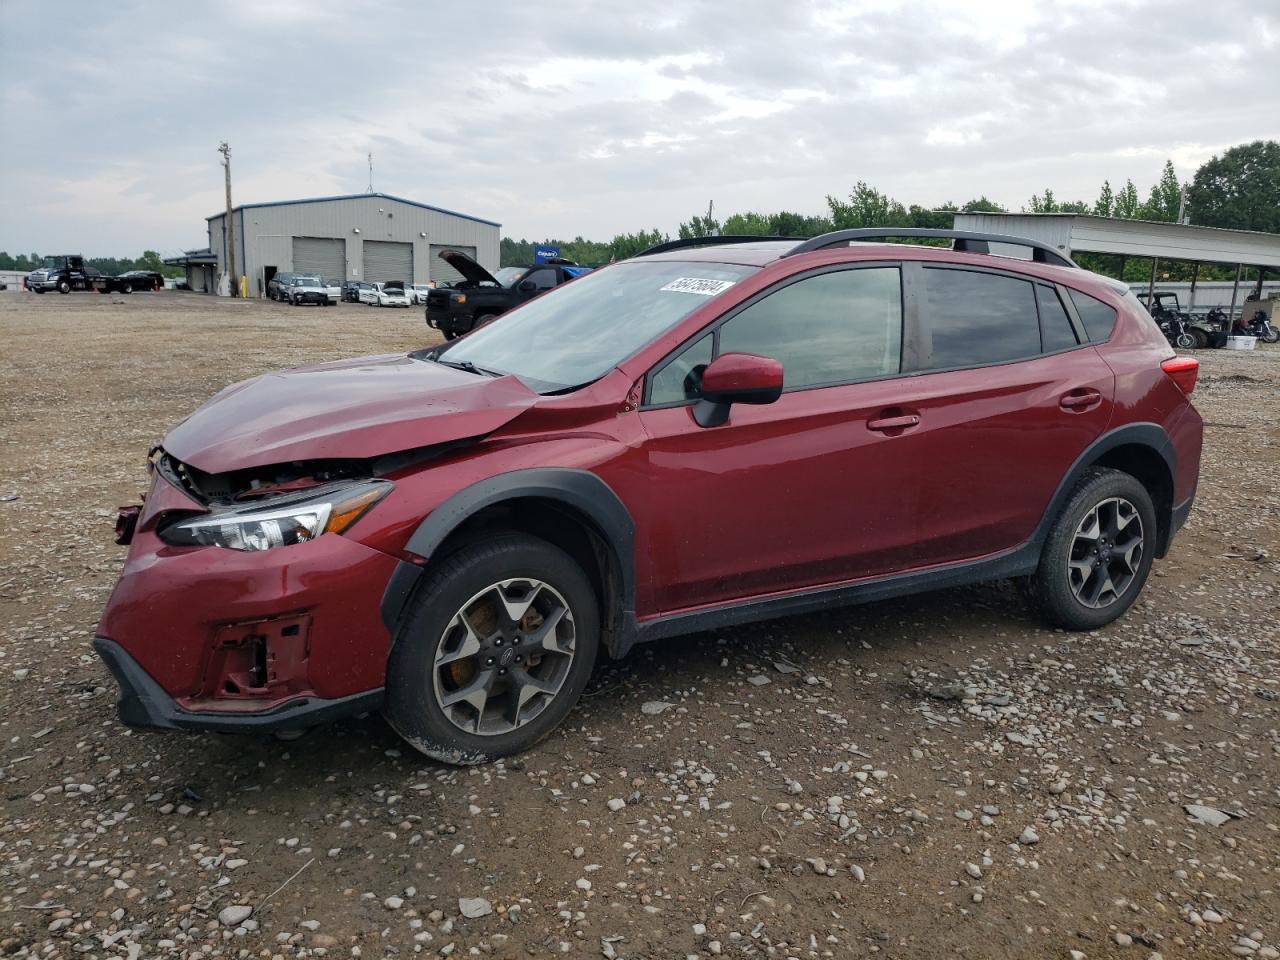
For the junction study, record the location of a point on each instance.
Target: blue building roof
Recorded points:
(355, 196)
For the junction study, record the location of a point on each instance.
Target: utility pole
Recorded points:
(371, 173)
(1182, 205)
(229, 228)
(711, 231)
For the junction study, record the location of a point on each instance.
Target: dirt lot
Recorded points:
(929, 777)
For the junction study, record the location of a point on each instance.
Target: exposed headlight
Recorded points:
(458, 297)
(262, 527)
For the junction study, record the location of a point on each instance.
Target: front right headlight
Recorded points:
(283, 524)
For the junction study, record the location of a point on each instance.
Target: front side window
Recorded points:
(829, 328)
(681, 378)
(542, 279)
(979, 318)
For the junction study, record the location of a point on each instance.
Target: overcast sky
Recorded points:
(598, 118)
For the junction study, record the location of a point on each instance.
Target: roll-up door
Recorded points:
(384, 260)
(325, 258)
(440, 269)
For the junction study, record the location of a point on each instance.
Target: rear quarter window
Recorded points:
(1098, 318)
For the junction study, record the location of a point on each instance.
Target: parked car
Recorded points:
(351, 290)
(389, 294)
(698, 437)
(278, 286)
(333, 290)
(418, 292)
(482, 295)
(303, 290)
(144, 279)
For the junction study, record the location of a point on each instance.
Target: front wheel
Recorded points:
(1098, 553)
(64, 287)
(1270, 334)
(1185, 340)
(497, 646)
(126, 288)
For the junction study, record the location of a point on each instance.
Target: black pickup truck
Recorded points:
(68, 272)
(482, 295)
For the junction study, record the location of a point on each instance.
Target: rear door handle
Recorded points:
(1079, 401)
(894, 423)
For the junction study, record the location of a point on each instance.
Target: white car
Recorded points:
(333, 289)
(419, 292)
(388, 294)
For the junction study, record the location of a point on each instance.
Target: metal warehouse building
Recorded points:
(367, 236)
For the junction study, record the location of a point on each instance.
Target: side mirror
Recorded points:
(736, 378)
(527, 286)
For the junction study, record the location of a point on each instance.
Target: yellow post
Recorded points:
(244, 287)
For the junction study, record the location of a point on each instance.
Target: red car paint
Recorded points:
(823, 487)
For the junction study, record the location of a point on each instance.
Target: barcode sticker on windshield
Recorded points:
(704, 288)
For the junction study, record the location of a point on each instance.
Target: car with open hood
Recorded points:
(480, 295)
(714, 432)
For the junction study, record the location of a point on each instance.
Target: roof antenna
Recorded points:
(371, 173)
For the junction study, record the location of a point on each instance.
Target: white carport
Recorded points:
(1077, 232)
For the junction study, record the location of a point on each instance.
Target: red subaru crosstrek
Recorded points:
(710, 433)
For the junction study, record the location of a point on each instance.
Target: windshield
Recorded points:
(578, 332)
(509, 275)
(53, 263)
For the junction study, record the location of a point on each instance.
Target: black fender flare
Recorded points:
(579, 490)
(1150, 435)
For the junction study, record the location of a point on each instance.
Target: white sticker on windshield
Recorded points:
(703, 288)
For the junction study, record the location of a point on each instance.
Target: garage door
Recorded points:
(384, 260)
(441, 270)
(320, 256)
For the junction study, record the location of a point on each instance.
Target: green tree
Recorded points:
(629, 244)
(1106, 200)
(1045, 203)
(699, 226)
(1126, 205)
(983, 205)
(1165, 196)
(867, 207)
(1239, 189)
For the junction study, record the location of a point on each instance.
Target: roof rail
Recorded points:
(963, 240)
(709, 242)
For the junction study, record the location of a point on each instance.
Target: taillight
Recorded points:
(1183, 372)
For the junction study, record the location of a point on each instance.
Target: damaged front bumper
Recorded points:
(144, 704)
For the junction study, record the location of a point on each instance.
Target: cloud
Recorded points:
(601, 117)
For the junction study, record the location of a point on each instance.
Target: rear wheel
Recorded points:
(1200, 337)
(497, 647)
(1098, 553)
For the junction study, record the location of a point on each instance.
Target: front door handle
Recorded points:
(894, 423)
(1079, 401)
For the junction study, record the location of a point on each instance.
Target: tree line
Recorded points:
(1239, 189)
(111, 266)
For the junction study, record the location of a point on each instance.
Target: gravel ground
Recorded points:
(934, 776)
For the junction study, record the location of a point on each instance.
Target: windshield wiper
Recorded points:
(468, 366)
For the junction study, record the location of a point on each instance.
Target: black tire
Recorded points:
(449, 335)
(126, 288)
(412, 705)
(481, 319)
(1051, 586)
(64, 287)
(1200, 337)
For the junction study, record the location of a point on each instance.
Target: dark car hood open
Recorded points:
(466, 266)
(346, 409)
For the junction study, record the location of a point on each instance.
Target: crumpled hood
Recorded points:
(357, 408)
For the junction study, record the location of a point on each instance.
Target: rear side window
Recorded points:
(979, 318)
(1056, 332)
(1098, 319)
(543, 279)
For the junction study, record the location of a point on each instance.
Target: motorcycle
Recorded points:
(1257, 326)
(1175, 330)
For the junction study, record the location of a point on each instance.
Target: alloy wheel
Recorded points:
(503, 657)
(1106, 553)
